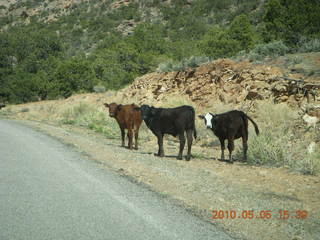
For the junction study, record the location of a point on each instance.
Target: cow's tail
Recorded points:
(254, 124)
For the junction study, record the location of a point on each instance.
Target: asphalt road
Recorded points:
(50, 191)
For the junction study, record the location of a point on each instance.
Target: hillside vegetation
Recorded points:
(52, 49)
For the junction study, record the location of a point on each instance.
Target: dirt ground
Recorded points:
(206, 186)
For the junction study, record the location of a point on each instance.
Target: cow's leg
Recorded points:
(190, 140)
(136, 136)
(223, 147)
(122, 137)
(245, 145)
(130, 137)
(182, 139)
(230, 147)
(160, 144)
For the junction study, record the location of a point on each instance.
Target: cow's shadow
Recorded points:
(146, 153)
(126, 147)
(225, 160)
(203, 157)
(233, 160)
(165, 156)
(170, 156)
(174, 157)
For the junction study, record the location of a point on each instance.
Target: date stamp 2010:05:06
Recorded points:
(263, 214)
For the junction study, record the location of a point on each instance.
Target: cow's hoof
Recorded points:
(187, 158)
(159, 155)
(179, 158)
(136, 148)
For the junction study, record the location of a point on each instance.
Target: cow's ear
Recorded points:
(201, 116)
(106, 105)
(119, 107)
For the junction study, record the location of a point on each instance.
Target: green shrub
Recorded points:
(312, 45)
(267, 149)
(273, 49)
(165, 67)
(294, 60)
(262, 51)
(242, 31)
(218, 43)
(73, 76)
(191, 62)
(99, 89)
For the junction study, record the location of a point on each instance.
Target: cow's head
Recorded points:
(147, 111)
(113, 108)
(208, 119)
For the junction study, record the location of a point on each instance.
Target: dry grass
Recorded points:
(283, 141)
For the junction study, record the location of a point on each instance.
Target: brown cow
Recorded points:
(127, 118)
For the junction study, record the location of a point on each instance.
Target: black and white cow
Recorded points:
(230, 125)
(173, 121)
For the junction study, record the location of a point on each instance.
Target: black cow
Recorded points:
(230, 125)
(2, 105)
(173, 121)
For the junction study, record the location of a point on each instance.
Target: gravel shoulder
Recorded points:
(204, 185)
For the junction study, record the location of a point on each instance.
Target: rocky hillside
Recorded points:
(23, 11)
(228, 81)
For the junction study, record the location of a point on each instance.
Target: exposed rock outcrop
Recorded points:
(227, 81)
